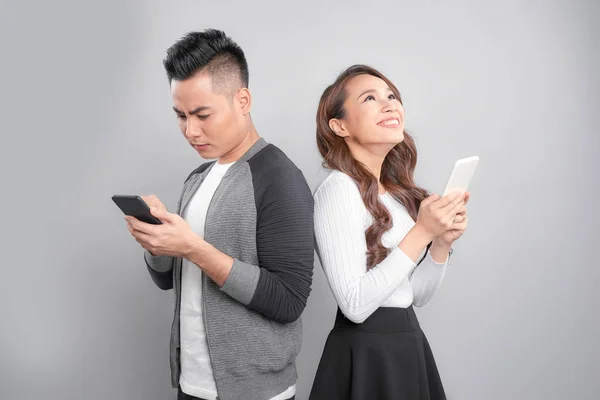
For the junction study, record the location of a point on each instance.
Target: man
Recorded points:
(239, 251)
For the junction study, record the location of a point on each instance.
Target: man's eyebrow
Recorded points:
(194, 111)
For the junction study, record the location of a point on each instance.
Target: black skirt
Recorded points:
(387, 357)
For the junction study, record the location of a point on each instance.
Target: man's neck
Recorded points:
(236, 153)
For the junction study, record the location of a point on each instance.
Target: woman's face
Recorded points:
(373, 116)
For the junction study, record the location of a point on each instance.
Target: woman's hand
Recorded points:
(437, 215)
(459, 224)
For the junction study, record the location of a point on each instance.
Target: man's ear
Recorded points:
(243, 98)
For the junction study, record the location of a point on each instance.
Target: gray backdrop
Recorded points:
(86, 113)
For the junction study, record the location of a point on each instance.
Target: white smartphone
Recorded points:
(461, 175)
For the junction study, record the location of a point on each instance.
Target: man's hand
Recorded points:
(173, 238)
(154, 202)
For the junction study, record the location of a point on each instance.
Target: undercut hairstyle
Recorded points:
(210, 51)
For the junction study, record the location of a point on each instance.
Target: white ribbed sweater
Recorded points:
(341, 220)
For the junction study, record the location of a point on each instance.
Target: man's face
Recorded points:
(212, 123)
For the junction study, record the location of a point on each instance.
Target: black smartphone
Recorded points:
(136, 207)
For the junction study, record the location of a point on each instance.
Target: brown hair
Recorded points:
(396, 172)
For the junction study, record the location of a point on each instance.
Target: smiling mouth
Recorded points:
(390, 122)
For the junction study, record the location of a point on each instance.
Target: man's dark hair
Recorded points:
(211, 51)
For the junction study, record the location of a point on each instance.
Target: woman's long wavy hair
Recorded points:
(396, 173)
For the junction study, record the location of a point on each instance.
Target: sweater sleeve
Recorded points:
(342, 247)
(426, 279)
(280, 285)
(160, 269)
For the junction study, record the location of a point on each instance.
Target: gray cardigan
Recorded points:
(262, 216)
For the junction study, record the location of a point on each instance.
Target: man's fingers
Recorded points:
(139, 226)
(162, 214)
(130, 228)
(158, 212)
(131, 223)
(153, 201)
(143, 239)
(150, 198)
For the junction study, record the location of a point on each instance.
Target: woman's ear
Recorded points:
(337, 126)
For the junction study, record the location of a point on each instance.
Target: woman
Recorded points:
(383, 244)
